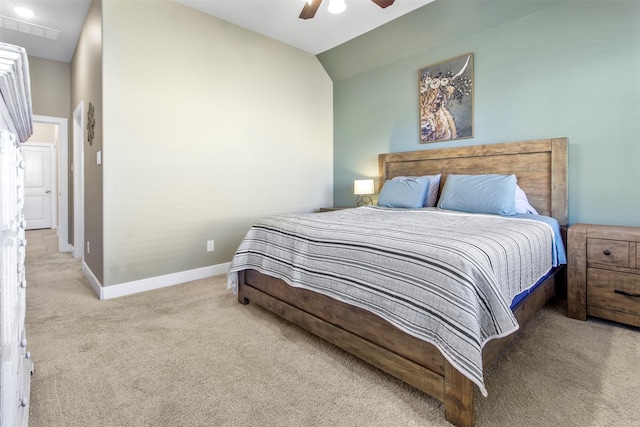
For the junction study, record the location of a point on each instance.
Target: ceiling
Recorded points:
(277, 19)
(64, 15)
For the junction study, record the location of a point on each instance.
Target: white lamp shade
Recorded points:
(363, 186)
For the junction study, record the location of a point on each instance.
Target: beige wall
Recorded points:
(50, 96)
(50, 87)
(86, 86)
(207, 128)
(44, 132)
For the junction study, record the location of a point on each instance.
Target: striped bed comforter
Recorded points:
(445, 277)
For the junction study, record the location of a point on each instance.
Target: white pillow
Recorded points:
(431, 198)
(522, 203)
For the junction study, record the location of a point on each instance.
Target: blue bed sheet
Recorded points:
(558, 251)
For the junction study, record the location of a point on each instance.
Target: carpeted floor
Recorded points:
(190, 355)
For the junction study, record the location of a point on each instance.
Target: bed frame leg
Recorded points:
(241, 298)
(458, 398)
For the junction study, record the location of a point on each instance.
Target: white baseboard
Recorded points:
(151, 283)
(63, 246)
(73, 251)
(93, 280)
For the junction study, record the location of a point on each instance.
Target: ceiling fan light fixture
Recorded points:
(24, 12)
(336, 6)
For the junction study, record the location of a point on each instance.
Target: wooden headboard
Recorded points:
(539, 165)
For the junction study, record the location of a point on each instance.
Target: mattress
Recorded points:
(448, 278)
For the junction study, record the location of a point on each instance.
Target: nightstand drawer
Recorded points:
(602, 288)
(613, 253)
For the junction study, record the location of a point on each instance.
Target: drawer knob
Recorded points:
(626, 294)
(607, 252)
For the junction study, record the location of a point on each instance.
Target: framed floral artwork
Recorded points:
(446, 100)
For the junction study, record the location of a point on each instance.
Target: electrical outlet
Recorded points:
(210, 246)
(88, 247)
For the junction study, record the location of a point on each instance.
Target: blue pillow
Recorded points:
(492, 194)
(406, 193)
(434, 186)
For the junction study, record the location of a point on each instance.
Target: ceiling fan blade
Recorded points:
(309, 10)
(383, 3)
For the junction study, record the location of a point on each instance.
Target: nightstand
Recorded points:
(604, 273)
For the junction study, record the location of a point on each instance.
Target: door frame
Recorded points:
(78, 181)
(53, 176)
(61, 179)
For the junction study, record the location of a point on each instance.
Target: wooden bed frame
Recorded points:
(541, 168)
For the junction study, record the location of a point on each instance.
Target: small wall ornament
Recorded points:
(91, 123)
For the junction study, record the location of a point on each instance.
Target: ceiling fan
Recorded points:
(311, 7)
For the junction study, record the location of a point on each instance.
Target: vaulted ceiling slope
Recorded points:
(277, 19)
(379, 36)
(436, 24)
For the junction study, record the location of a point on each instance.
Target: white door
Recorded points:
(37, 185)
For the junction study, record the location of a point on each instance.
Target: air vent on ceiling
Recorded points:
(25, 27)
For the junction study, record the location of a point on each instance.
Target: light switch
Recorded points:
(99, 157)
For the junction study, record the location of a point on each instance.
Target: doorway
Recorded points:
(61, 160)
(78, 181)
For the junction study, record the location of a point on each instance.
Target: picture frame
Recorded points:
(446, 100)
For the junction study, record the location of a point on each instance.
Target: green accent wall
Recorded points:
(542, 69)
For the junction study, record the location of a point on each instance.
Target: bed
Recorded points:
(541, 170)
